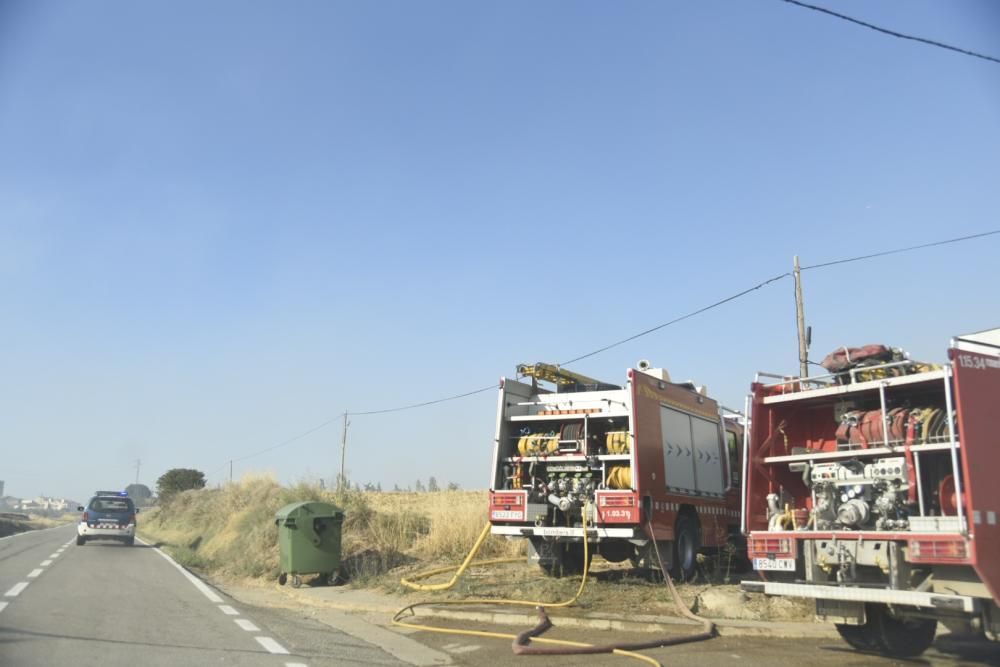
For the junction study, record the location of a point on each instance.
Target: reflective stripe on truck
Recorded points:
(852, 594)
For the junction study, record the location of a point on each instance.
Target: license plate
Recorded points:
(507, 515)
(781, 564)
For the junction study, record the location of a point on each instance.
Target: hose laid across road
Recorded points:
(522, 642)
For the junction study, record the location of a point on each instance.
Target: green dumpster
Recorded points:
(309, 541)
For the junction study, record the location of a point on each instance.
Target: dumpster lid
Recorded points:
(309, 509)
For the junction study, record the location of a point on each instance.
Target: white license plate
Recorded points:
(507, 515)
(782, 564)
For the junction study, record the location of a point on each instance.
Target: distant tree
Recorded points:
(378, 487)
(453, 486)
(419, 487)
(395, 487)
(176, 480)
(432, 485)
(369, 487)
(140, 493)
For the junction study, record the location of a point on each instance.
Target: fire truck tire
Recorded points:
(573, 558)
(687, 542)
(861, 637)
(616, 552)
(883, 633)
(902, 637)
(560, 559)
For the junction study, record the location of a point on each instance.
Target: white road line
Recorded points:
(227, 610)
(55, 555)
(246, 625)
(271, 645)
(295, 664)
(2, 605)
(34, 573)
(16, 589)
(198, 583)
(46, 563)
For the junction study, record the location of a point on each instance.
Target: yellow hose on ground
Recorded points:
(501, 602)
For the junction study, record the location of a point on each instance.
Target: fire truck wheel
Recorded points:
(615, 552)
(550, 556)
(573, 559)
(902, 637)
(861, 637)
(687, 542)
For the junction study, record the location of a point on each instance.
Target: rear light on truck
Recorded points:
(616, 501)
(508, 506)
(85, 517)
(771, 547)
(508, 499)
(938, 551)
(618, 507)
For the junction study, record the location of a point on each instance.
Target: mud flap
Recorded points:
(840, 611)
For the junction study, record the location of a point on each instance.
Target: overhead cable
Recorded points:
(425, 403)
(733, 297)
(289, 441)
(678, 319)
(899, 250)
(893, 33)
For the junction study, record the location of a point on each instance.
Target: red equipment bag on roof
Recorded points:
(848, 357)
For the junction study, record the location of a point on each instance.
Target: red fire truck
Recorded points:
(651, 461)
(873, 490)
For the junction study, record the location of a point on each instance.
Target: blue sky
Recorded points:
(222, 224)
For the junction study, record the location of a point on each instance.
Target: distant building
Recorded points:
(44, 504)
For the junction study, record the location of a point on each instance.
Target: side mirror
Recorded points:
(79, 508)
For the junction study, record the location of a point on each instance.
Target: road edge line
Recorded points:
(198, 583)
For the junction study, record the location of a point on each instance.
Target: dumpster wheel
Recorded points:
(521, 642)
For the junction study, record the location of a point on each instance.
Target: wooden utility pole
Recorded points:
(230, 471)
(342, 481)
(138, 462)
(800, 317)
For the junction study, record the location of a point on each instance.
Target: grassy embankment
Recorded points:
(230, 534)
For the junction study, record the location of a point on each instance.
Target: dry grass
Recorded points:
(230, 531)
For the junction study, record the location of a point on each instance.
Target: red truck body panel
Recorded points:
(977, 398)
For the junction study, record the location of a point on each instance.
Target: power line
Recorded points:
(425, 403)
(678, 319)
(899, 250)
(284, 443)
(733, 297)
(893, 33)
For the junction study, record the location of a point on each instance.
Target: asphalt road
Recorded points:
(735, 651)
(108, 604)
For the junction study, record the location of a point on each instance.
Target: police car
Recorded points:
(110, 515)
